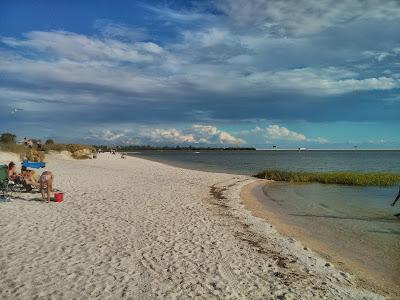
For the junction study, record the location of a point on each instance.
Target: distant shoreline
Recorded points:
(350, 150)
(131, 150)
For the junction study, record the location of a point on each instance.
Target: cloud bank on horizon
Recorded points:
(254, 72)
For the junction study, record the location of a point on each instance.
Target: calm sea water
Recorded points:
(356, 222)
(250, 162)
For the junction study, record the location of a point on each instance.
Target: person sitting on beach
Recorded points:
(12, 173)
(46, 181)
(30, 177)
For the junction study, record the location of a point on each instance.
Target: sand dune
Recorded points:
(138, 229)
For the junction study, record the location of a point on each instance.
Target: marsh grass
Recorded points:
(345, 178)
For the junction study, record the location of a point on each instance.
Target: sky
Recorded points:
(294, 73)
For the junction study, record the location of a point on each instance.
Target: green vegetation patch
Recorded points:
(346, 178)
(14, 148)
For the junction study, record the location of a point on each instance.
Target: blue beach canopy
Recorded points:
(31, 164)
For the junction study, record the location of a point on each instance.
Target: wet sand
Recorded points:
(367, 276)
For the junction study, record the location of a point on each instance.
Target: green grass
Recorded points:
(35, 155)
(14, 148)
(346, 178)
(83, 156)
(66, 147)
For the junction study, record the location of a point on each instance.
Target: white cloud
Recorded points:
(328, 81)
(193, 135)
(319, 140)
(382, 55)
(280, 133)
(183, 16)
(277, 132)
(170, 136)
(213, 135)
(79, 47)
(305, 17)
(112, 137)
(144, 70)
(113, 30)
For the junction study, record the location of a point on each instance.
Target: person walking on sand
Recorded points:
(46, 180)
(394, 202)
(397, 198)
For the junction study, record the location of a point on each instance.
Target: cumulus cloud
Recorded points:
(277, 132)
(214, 135)
(112, 137)
(274, 132)
(172, 135)
(193, 135)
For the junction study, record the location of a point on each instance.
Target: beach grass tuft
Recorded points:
(345, 178)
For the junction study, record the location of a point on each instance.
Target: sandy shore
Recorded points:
(138, 229)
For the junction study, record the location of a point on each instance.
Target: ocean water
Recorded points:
(357, 223)
(250, 162)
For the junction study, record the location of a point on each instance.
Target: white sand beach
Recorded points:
(137, 229)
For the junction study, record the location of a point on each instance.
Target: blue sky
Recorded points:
(307, 73)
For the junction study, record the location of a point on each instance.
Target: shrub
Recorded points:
(8, 138)
(12, 148)
(82, 156)
(78, 151)
(33, 155)
(55, 147)
(49, 142)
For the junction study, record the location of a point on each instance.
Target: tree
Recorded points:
(8, 138)
(49, 142)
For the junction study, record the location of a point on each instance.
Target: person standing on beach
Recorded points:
(39, 145)
(394, 202)
(46, 180)
(397, 198)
